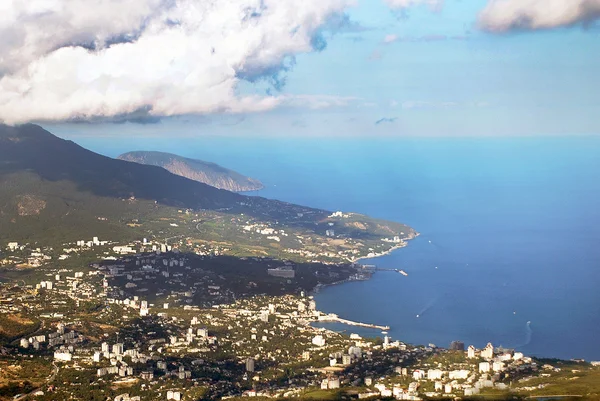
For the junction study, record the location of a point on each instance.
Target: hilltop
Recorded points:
(31, 149)
(53, 188)
(197, 170)
(54, 192)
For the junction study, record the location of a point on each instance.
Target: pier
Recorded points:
(392, 270)
(374, 268)
(335, 318)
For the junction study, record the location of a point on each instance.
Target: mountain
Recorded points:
(54, 188)
(30, 148)
(197, 170)
(53, 192)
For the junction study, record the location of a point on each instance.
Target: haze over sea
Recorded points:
(510, 230)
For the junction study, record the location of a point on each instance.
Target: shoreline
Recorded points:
(378, 255)
(321, 286)
(396, 247)
(401, 245)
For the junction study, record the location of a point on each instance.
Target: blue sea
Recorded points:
(509, 250)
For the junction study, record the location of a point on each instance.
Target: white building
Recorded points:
(144, 308)
(434, 374)
(123, 249)
(498, 366)
(355, 351)
(117, 349)
(488, 351)
(63, 356)
(484, 367)
(318, 340)
(46, 284)
(250, 365)
(334, 383)
(458, 374)
(471, 352)
(471, 391)
(418, 374)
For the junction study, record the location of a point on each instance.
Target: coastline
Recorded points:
(401, 245)
(320, 286)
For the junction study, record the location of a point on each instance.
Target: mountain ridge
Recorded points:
(31, 148)
(198, 170)
(55, 192)
(54, 188)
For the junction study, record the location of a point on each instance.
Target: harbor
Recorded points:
(335, 318)
(374, 268)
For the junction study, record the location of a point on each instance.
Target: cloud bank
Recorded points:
(403, 4)
(508, 15)
(80, 60)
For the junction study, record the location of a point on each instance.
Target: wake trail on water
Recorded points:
(428, 306)
(435, 245)
(528, 335)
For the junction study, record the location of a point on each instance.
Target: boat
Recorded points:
(403, 272)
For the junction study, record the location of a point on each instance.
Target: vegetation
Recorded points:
(197, 170)
(565, 378)
(15, 325)
(55, 192)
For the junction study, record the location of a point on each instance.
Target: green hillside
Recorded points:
(197, 170)
(54, 192)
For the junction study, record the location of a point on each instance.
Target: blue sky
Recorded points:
(526, 83)
(439, 75)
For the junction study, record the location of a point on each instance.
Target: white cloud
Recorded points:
(30, 29)
(506, 15)
(316, 102)
(420, 104)
(391, 38)
(65, 59)
(433, 4)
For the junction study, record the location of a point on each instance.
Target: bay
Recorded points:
(510, 230)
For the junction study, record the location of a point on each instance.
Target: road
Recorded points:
(49, 380)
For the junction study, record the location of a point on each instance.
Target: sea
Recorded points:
(509, 245)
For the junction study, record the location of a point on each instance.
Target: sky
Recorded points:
(303, 68)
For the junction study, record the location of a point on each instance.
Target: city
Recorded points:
(148, 326)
